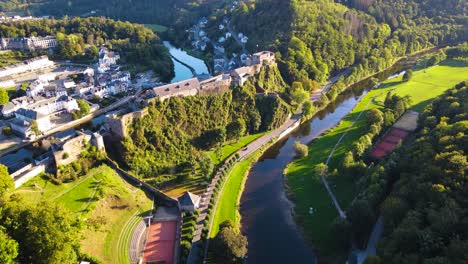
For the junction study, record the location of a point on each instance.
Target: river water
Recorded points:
(266, 212)
(182, 72)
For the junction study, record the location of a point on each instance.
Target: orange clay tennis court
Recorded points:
(160, 243)
(388, 143)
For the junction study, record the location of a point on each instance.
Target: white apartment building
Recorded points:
(30, 44)
(26, 66)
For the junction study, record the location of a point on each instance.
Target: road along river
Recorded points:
(266, 212)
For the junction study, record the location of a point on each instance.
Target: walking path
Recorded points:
(359, 256)
(323, 178)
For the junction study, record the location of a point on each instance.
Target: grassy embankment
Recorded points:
(308, 191)
(110, 207)
(196, 183)
(228, 203)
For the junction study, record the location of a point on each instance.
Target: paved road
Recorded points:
(318, 93)
(374, 238)
(72, 124)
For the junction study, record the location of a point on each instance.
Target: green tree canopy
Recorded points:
(6, 182)
(229, 246)
(4, 99)
(8, 248)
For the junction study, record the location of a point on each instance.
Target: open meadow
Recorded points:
(307, 190)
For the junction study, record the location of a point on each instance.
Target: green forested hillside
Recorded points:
(78, 38)
(318, 38)
(166, 12)
(170, 138)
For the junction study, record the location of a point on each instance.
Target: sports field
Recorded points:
(109, 207)
(307, 191)
(160, 243)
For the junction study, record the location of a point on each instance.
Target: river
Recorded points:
(182, 72)
(266, 212)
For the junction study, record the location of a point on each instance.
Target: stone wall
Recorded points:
(118, 125)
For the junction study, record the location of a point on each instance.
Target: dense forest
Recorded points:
(319, 38)
(79, 38)
(175, 131)
(166, 12)
(420, 190)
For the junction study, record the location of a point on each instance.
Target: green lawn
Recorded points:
(229, 149)
(156, 28)
(308, 191)
(118, 210)
(229, 199)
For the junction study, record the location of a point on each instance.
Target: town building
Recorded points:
(215, 85)
(28, 44)
(11, 107)
(26, 66)
(106, 59)
(54, 105)
(263, 57)
(242, 74)
(23, 120)
(183, 88)
(189, 202)
(36, 87)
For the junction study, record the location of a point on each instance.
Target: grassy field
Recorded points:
(110, 207)
(227, 208)
(229, 149)
(156, 28)
(308, 191)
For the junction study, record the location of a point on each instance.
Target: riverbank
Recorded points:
(307, 191)
(229, 199)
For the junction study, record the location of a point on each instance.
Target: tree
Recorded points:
(84, 107)
(6, 182)
(375, 116)
(296, 86)
(4, 99)
(7, 131)
(408, 75)
(321, 170)
(236, 128)
(229, 245)
(35, 128)
(46, 233)
(299, 96)
(8, 248)
(307, 108)
(206, 166)
(301, 149)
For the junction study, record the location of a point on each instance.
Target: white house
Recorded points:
(36, 87)
(11, 107)
(23, 121)
(189, 202)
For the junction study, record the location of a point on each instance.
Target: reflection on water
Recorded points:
(266, 212)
